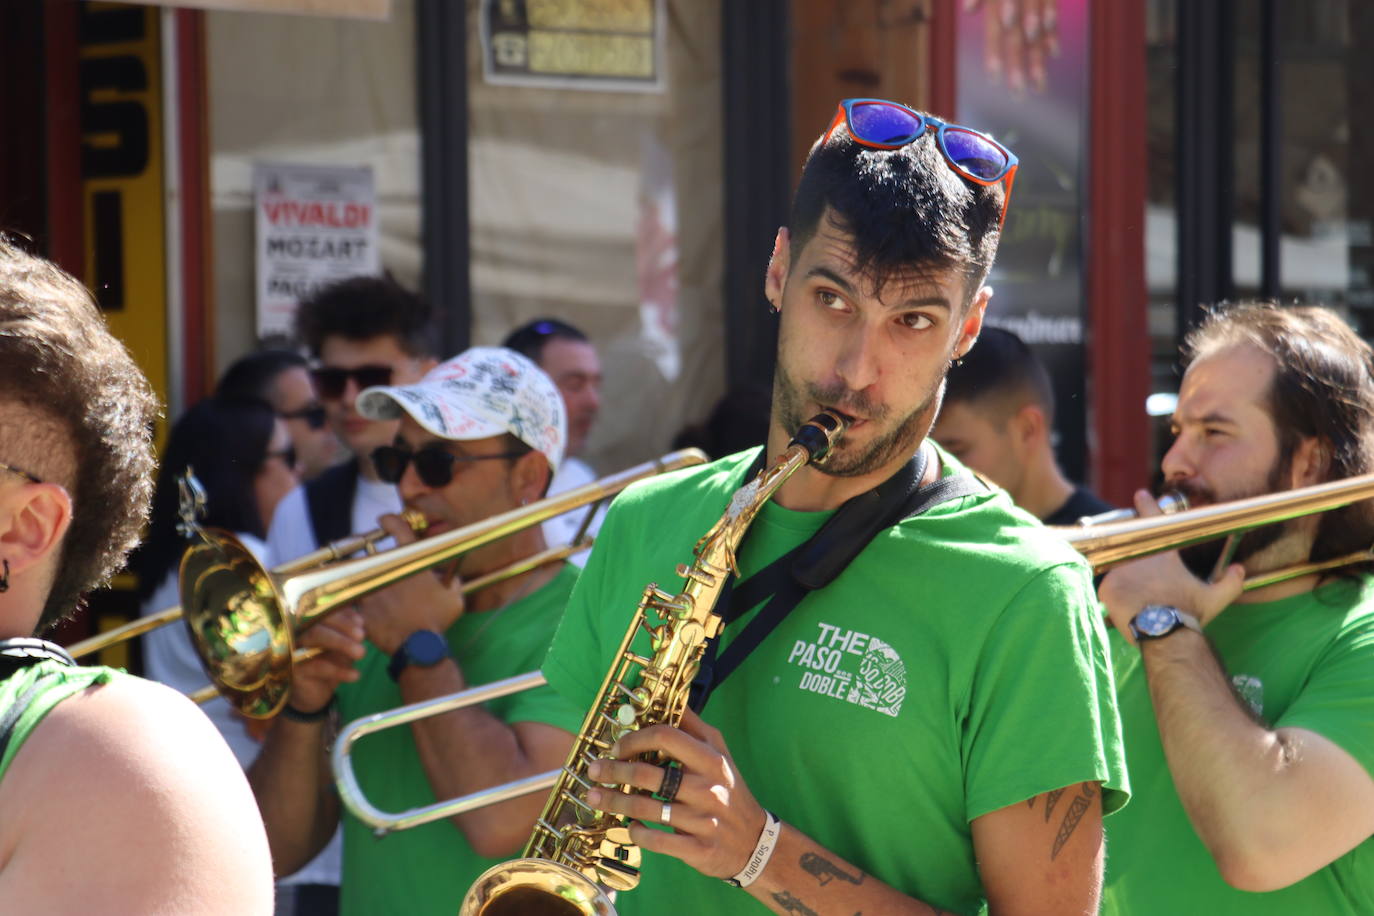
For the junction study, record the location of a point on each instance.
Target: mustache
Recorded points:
(1197, 494)
(845, 400)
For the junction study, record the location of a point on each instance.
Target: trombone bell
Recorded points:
(234, 616)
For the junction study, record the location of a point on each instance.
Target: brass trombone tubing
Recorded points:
(329, 553)
(384, 822)
(533, 561)
(1104, 545)
(1107, 545)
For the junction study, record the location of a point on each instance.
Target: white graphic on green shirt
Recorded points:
(1251, 690)
(851, 666)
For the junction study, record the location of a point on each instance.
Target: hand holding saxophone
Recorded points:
(714, 819)
(424, 602)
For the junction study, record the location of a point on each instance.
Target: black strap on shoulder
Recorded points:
(16, 654)
(24, 651)
(819, 560)
(329, 500)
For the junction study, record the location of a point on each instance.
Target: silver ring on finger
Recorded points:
(666, 815)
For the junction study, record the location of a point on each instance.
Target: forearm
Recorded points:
(1226, 767)
(468, 750)
(295, 792)
(805, 879)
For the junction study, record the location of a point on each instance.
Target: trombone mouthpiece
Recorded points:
(820, 433)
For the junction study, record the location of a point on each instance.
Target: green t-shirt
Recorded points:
(1302, 662)
(957, 666)
(428, 869)
(30, 694)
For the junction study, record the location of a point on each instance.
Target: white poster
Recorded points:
(316, 224)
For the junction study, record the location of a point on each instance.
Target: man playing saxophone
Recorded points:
(935, 727)
(479, 435)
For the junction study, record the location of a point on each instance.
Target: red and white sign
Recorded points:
(316, 224)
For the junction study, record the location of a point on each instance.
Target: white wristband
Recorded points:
(772, 829)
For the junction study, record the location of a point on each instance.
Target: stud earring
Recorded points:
(5, 577)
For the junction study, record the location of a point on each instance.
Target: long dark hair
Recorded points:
(225, 442)
(1323, 388)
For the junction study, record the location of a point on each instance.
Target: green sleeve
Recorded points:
(1337, 702)
(576, 662)
(1042, 710)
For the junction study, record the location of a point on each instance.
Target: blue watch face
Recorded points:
(1156, 620)
(425, 648)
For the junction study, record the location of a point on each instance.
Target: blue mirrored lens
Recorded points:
(975, 154)
(884, 124)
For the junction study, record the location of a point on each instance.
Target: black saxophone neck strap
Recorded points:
(819, 560)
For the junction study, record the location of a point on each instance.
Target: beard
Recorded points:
(1201, 559)
(791, 399)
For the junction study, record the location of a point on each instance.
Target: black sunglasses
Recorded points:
(287, 455)
(330, 381)
(434, 463)
(313, 415)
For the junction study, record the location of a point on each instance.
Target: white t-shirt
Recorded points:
(561, 529)
(169, 657)
(292, 535)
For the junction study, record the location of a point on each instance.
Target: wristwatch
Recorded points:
(1155, 621)
(424, 648)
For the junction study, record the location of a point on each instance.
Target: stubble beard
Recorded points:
(791, 399)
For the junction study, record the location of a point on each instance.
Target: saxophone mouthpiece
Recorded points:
(820, 433)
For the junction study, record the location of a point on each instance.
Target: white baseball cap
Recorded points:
(480, 393)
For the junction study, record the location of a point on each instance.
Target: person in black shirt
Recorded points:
(997, 418)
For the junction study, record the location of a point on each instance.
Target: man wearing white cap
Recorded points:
(480, 434)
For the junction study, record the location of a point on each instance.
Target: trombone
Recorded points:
(243, 620)
(1105, 545)
(329, 553)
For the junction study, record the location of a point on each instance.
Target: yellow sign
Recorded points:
(574, 44)
(122, 182)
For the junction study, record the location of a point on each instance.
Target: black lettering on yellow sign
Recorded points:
(120, 79)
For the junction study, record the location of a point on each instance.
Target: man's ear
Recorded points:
(1028, 424)
(972, 324)
(1311, 462)
(530, 477)
(33, 520)
(775, 278)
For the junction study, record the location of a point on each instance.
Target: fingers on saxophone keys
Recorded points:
(643, 808)
(627, 773)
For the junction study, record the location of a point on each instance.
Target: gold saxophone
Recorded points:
(577, 855)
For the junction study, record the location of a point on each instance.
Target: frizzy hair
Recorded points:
(60, 363)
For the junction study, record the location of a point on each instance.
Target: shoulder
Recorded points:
(145, 761)
(687, 486)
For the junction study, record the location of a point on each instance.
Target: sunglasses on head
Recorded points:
(880, 124)
(313, 415)
(330, 381)
(434, 463)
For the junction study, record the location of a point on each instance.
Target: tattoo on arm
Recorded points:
(1077, 808)
(1051, 799)
(793, 905)
(827, 871)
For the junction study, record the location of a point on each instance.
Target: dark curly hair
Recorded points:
(93, 414)
(360, 308)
